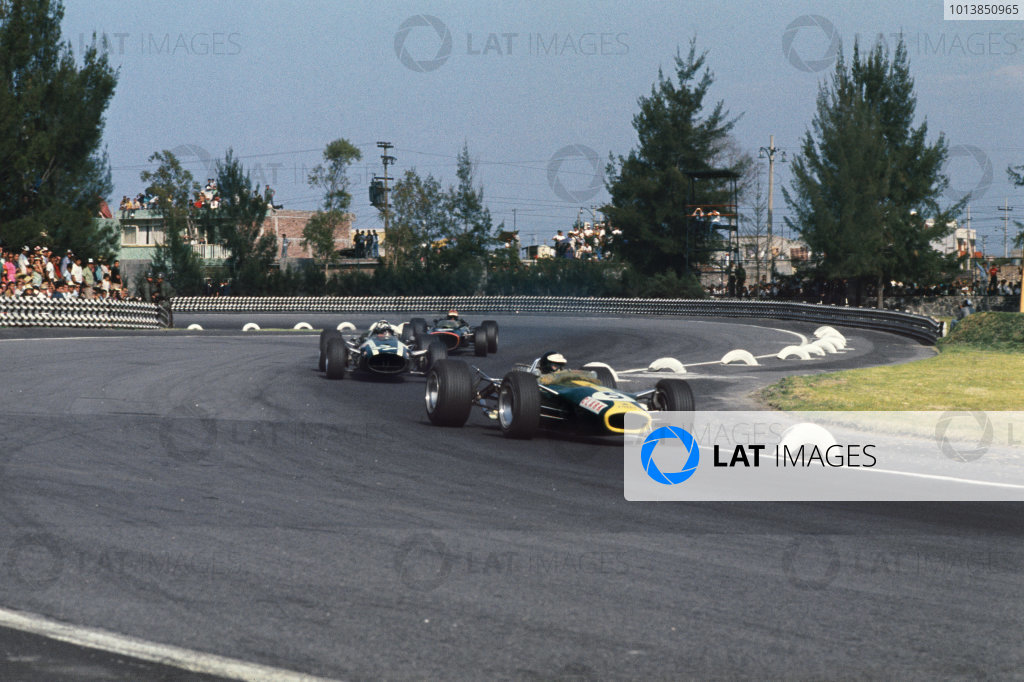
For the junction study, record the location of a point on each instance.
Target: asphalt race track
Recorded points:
(211, 490)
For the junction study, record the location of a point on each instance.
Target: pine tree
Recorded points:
(174, 186)
(649, 188)
(331, 177)
(866, 181)
(54, 173)
(238, 225)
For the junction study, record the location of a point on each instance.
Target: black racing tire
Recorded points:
(449, 394)
(492, 335)
(336, 358)
(519, 405)
(408, 336)
(419, 331)
(436, 351)
(480, 342)
(672, 395)
(605, 377)
(325, 336)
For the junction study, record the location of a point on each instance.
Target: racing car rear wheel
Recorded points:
(449, 393)
(336, 358)
(519, 405)
(492, 335)
(436, 352)
(672, 395)
(325, 336)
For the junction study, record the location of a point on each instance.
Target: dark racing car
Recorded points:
(455, 332)
(546, 395)
(379, 351)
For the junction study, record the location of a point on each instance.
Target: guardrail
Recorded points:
(75, 312)
(918, 327)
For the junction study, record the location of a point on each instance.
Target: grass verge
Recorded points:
(980, 367)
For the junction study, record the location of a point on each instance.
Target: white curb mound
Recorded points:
(804, 434)
(591, 365)
(667, 365)
(814, 349)
(827, 344)
(251, 327)
(789, 351)
(303, 325)
(739, 355)
(825, 331)
(346, 327)
(195, 327)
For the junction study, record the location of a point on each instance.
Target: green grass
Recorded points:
(980, 367)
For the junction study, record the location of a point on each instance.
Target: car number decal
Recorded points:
(611, 396)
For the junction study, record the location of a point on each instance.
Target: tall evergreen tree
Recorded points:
(54, 173)
(238, 225)
(1016, 175)
(866, 183)
(332, 178)
(174, 186)
(649, 188)
(469, 226)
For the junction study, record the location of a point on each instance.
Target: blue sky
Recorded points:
(541, 92)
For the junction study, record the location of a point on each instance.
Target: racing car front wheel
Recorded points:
(336, 358)
(672, 395)
(492, 335)
(325, 336)
(436, 352)
(419, 331)
(519, 405)
(449, 394)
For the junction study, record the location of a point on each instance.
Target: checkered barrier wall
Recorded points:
(45, 312)
(919, 327)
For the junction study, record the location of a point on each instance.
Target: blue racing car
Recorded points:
(378, 351)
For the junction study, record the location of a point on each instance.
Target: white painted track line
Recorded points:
(185, 659)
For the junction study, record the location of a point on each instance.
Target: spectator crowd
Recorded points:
(207, 198)
(40, 273)
(586, 242)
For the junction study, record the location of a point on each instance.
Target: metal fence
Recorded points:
(74, 312)
(916, 326)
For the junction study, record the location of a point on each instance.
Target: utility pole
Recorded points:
(1005, 208)
(769, 152)
(388, 160)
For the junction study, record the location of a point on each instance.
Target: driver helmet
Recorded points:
(453, 314)
(382, 328)
(551, 362)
